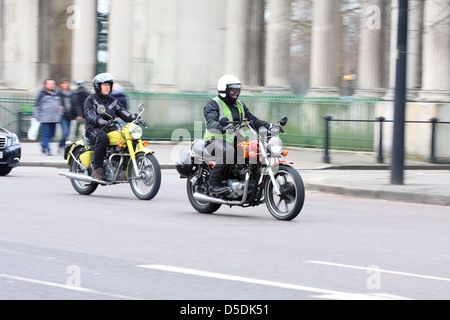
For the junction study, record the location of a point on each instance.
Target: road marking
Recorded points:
(379, 270)
(62, 286)
(327, 294)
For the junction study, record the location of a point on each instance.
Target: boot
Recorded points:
(98, 173)
(215, 181)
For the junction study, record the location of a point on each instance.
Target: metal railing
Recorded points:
(381, 120)
(167, 112)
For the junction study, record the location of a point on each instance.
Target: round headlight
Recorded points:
(135, 131)
(275, 145)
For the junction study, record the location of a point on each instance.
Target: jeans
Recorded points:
(65, 126)
(48, 132)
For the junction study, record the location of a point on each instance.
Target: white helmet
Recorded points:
(228, 82)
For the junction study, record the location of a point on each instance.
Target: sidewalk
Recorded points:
(355, 174)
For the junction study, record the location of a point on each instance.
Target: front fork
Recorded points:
(133, 157)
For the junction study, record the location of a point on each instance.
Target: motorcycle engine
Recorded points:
(236, 187)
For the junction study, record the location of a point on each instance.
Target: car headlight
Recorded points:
(13, 140)
(275, 145)
(135, 131)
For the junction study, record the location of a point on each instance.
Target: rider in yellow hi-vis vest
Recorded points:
(220, 140)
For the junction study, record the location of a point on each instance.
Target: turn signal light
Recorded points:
(285, 153)
(145, 143)
(120, 144)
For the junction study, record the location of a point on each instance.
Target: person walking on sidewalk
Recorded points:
(72, 111)
(48, 110)
(82, 95)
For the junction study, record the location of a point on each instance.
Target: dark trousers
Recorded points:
(224, 154)
(48, 132)
(100, 139)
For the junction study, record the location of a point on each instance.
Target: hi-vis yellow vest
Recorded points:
(224, 111)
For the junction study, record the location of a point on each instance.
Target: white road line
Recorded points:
(379, 270)
(328, 294)
(62, 286)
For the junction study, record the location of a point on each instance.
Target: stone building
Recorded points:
(185, 46)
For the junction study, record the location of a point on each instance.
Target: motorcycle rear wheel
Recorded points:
(202, 207)
(290, 203)
(148, 186)
(83, 188)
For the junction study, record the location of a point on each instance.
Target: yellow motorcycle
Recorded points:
(128, 160)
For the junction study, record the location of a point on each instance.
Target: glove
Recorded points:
(102, 122)
(141, 123)
(268, 125)
(229, 128)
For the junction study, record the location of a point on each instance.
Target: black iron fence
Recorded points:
(380, 120)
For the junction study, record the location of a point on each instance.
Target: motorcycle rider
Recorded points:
(220, 140)
(96, 124)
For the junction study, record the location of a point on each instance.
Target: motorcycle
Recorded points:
(128, 160)
(257, 176)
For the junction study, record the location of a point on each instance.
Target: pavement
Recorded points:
(348, 173)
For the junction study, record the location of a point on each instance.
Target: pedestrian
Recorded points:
(82, 94)
(72, 111)
(48, 110)
(119, 95)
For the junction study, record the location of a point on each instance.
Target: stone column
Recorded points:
(84, 39)
(414, 69)
(255, 54)
(237, 12)
(390, 94)
(119, 39)
(278, 46)
(436, 52)
(370, 50)
(324, 47)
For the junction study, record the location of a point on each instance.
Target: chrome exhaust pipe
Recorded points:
(210, 199)
(81, 177)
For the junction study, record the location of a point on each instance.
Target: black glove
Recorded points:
(141, 123)
(268, 125)
(229, 128)
(102, 122)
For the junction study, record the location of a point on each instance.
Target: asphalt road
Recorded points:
(58, 245)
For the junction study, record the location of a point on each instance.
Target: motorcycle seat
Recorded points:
(199, 148)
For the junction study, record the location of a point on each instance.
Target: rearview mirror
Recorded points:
(283, 121)
(224, 122)
(141, 107)
(101, 109)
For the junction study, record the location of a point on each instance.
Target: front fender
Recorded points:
(71, 149)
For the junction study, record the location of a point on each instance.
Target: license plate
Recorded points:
(1, 154)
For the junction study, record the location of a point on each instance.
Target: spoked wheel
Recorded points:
(202, 207)
(147, 186)
(84, 188)
(289, 203)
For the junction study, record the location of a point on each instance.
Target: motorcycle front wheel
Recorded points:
(149, 183)
(83, 188)
(289, 203)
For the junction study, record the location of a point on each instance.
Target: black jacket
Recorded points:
(113, 108)
(72, 108)
(212, 114)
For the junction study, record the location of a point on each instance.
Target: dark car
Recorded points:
(10, 151)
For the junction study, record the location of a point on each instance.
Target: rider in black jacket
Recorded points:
(96, 123)
(218, 142)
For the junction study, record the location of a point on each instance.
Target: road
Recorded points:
(56, 244)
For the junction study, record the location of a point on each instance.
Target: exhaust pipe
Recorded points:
(81, 177)
(205, 198)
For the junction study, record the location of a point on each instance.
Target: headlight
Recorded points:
(275, 145)
(135, 132)
(14, 140)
